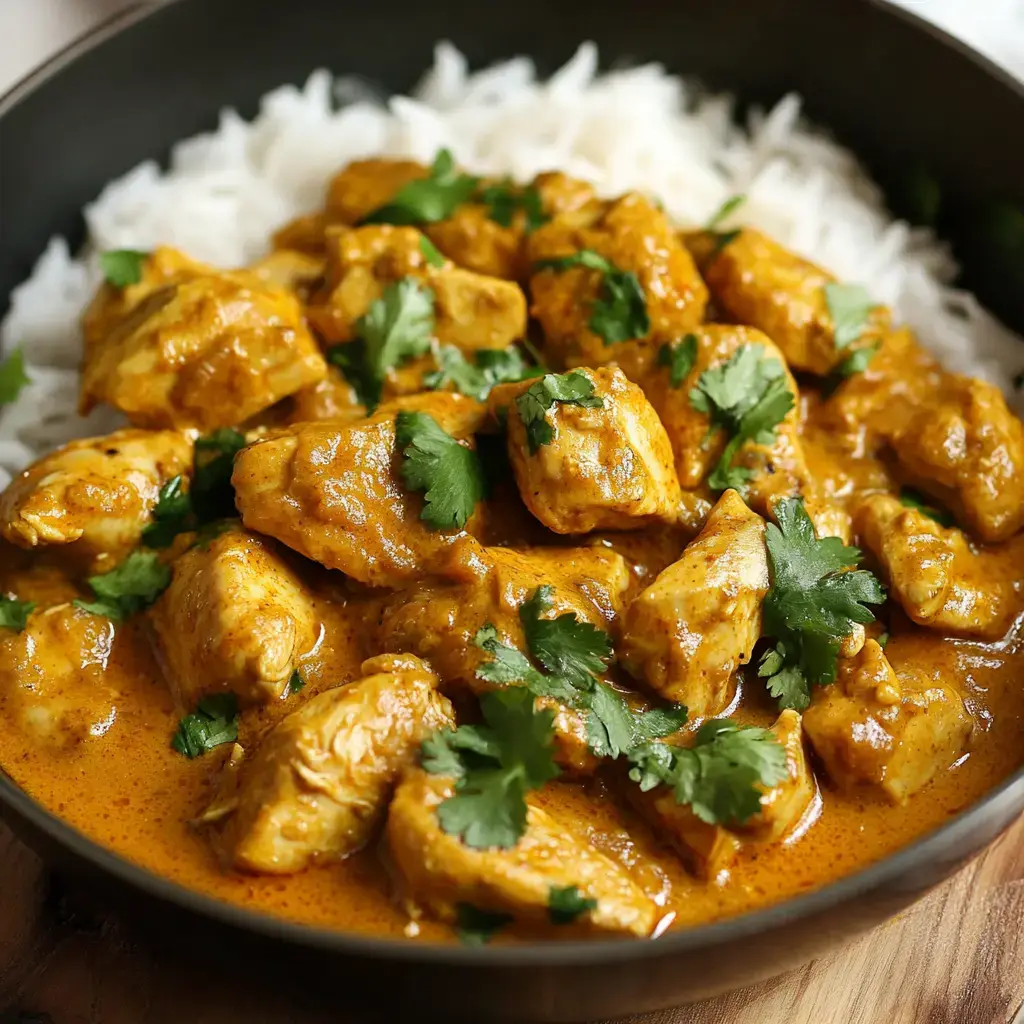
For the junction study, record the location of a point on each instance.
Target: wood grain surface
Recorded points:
(955, 958)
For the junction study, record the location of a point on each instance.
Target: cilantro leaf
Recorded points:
(13, 377)
(491, 367)
(727, 208)
(14, 613)
(720, 777)
(122, 267)
(849, 306)
(500, 761)
(659, 722)
(504, 199)
(171, 515)
(573, 388)
(748, 397)
(350, 358)
(211, 493)
(619, 313)
(476, 927)
(214, 721)
(566, 646)
(430, 252)
(679, 358)
(430, 199)
(816, 598)
(856, 362)
(910, 498)
(610, 721)
(566, 903)
(134, 585)
(434, 462)
(295, 685)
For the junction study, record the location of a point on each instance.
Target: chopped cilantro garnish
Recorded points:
(426, 200)
(495, 764)
(13, 377)
(122, 267)
(815, 600)
(573, 388)
(747, 397)
(295, 684)
(504, 199)
(134, 585)
(679, 358)
(619, 313)
(171, 515)
(397, 327)
(566, 646)
(856, 362)
(916, 500)
(720, 775)
(849, 306)
(211, 493)
(14, 613)
(477, 927)
(434, 462)
(566, 903)
(725, 210)
(883, 639)
(214, 721)
(491, 367)
(430, 252)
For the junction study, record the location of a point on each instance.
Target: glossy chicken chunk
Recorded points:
(96, 495)
(53, 681)
(439, 872)
(933, 572)
(235, 618)
(470, 311)
(709, 850)
(318, 784)
(778, 468)
(331, 490)
(366, 185)
(206, 351)
(636, 238)
(874, 728)
(756, 281)
(697, 623)
(332, 399)
(438, 621)
(964, 447)
(606, 467)
(293, 271)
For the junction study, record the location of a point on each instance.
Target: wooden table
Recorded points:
(955, 958)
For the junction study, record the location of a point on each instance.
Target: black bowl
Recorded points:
(905, 96)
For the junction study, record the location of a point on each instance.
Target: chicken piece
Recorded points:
(95, 495)
(609, 467)
(709, 850)
(161, 269)
(206, 351)
(475, 240)
(756, 281)
(319, 782)
(934, 573)
(869, 407)
(873, 728)
(364, 186)
(304, 234)
(470, 311)
(697, 623)
(235, 618)
(439, 872)
(636, 238)
(332, 399)
(331, 490)
(779, 468)
(294, 271)
(438, 620)
(53, 682)
(964, 447)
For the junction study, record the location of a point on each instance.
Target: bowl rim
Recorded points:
(591, 952)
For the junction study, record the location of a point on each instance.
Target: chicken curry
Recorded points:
(500, 561)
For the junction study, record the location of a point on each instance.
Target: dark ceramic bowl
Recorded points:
(906, 97)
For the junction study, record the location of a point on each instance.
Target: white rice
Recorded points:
(640, 129)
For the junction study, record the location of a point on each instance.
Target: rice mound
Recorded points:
(642, 128)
